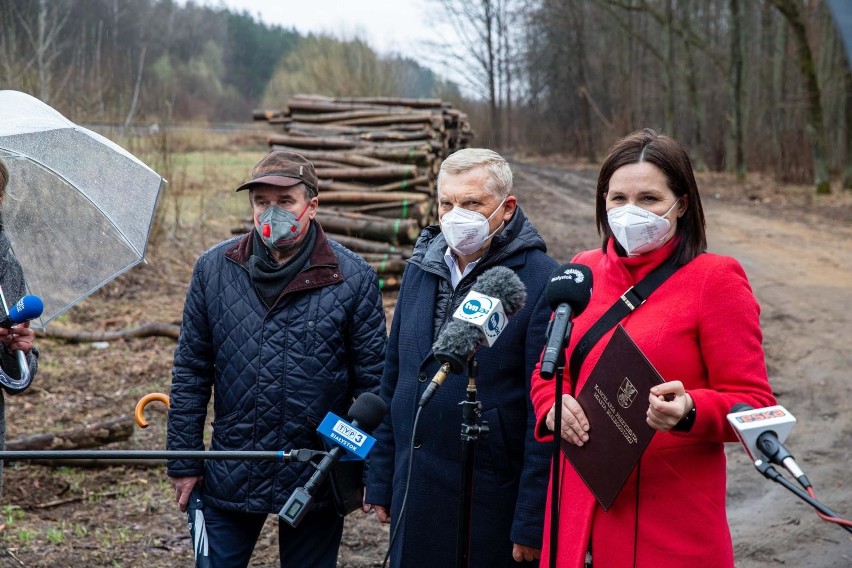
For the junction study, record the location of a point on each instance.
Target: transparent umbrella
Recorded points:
(78, 209)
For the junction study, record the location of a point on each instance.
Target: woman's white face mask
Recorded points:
(466, 231)
(638, 230)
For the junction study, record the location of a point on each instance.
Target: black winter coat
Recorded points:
(274, 372)
(511, 468)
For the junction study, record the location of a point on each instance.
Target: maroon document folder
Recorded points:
(615, 400)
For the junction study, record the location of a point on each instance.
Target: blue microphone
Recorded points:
(26, 309)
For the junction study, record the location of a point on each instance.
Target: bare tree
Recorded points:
(737, 88)
(790, 10)
(477, 24)
(46, 41)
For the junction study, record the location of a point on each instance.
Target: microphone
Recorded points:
(481, 318)
(762, 431)
(367, 412)
(568, 294)
(24, 310)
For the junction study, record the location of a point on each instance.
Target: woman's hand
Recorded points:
(575, 425)
(668, 404)
(18, 337)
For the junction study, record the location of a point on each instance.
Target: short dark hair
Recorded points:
(670, 157)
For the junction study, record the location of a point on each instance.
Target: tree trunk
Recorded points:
(737, 89)
(790, 10)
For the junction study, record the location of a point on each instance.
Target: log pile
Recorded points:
(377, 160)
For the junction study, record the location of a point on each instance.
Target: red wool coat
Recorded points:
(700, 327)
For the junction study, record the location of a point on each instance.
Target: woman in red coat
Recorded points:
(700, 329)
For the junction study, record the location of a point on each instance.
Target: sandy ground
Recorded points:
(796, 250)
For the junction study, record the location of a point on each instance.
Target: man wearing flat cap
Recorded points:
(281, 326)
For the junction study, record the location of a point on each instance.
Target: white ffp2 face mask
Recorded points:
(466, 231)
(638, 230)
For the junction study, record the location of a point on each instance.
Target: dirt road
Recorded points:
(800, 265)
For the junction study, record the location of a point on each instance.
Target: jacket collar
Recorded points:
(322, 269)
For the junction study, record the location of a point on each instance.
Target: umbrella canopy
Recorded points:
(78, 208)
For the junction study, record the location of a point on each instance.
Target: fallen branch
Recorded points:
(74, 499)
(115, 430)
(93, 463)
(144, 330)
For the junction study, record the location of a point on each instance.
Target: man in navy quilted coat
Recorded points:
(481, 226)
(281, 326)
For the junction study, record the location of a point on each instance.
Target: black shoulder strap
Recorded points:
(634, 297)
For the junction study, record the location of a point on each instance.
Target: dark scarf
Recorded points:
(269, 277)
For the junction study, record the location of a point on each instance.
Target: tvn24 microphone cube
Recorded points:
(484, 312)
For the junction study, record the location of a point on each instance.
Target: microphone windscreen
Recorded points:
(502, 283)
(368, 410)
(26, 309)
(458, 338)
(570, 284)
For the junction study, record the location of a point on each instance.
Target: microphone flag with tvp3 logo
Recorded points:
(341, 433)
(484, 312)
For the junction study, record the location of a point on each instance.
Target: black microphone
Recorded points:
(481, 318)
(568, 294)
(367, 412)
(26, 309)
(762, 432)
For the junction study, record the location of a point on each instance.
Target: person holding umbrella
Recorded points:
(281, 326)
(18, 337)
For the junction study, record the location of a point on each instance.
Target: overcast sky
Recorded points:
(389, 26)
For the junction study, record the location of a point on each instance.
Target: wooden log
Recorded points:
(387, 172)
(144, 330)
(351, 157)
(344, 129)
(340, 117)
(423, 212)
(317, 106)
(378, 257)
(390, 266)
(410, 155)
(332, 185)
(409, 102)
(403, 184)
(399, 136)
(311, 142)
(395, 231)
(372, 197)
(418, 117)
(114, 430)
(259, 114)
(359, 245)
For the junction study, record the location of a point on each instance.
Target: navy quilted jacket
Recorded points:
(511, 468)
(275, 373)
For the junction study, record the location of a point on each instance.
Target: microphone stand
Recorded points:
(302, 455)
(470, 432)
(769, 472)
(555, 479)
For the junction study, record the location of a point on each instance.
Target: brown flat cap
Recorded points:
(284, 169)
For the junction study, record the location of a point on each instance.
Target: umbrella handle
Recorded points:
(17, 385)
(139, 413)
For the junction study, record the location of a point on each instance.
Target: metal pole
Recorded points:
(294, 455)
(470, 431)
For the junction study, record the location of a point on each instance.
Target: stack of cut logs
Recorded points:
(377, 160)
